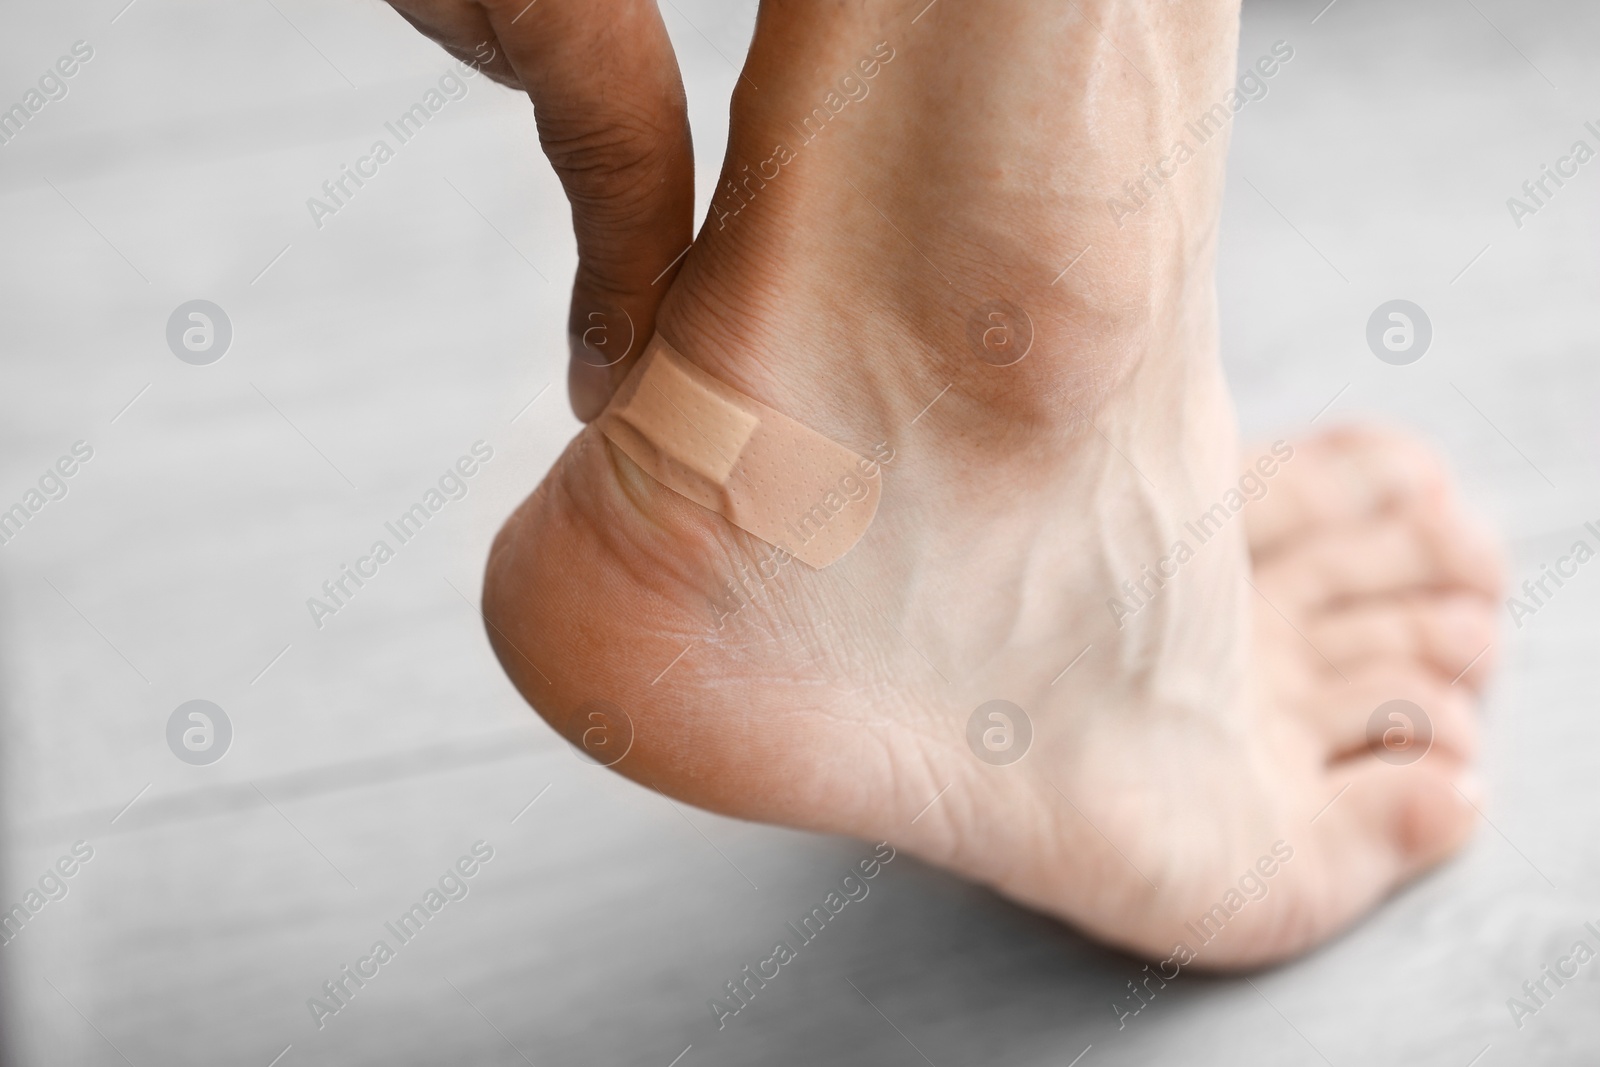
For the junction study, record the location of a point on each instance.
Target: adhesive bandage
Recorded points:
(761, 470)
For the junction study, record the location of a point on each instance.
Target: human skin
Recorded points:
(611, 116)
(1189, 736)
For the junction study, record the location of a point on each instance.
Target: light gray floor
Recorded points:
(372, 753)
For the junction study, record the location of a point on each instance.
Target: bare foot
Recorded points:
(1198, 731)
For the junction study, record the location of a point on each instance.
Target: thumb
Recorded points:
(609, 104)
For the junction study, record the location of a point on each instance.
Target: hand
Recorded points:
(609, 105)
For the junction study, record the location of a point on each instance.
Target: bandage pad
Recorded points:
(761, 470)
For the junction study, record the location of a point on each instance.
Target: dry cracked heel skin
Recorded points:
(761, 470)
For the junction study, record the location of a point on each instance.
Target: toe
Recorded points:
(1396, 710)
(1391, 824)
(1452, 634)
(1363, 829)
(1341, 477)
(1397, 552)
(1379, 827)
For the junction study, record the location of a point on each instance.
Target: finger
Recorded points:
(609, 104)
(463, 30)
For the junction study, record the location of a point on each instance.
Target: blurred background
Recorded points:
(224, 868)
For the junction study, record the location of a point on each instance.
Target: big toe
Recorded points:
(1385, 824)
(1376, 826)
